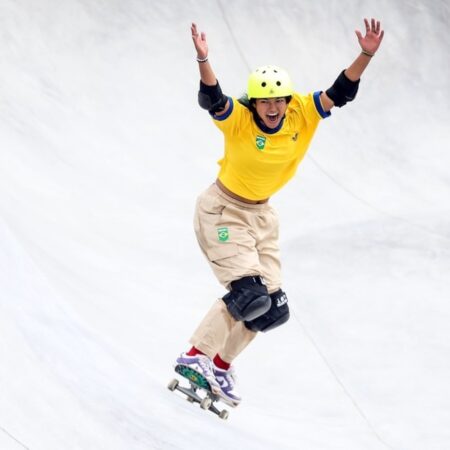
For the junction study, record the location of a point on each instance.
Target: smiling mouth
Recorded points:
(272, 118)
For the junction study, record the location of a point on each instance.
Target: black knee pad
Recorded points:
(277, 315)
(248, 298)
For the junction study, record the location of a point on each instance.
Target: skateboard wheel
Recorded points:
(173, 384)
(206, 403)
(223, 414)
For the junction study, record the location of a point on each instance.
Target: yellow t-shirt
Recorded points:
(257, 163)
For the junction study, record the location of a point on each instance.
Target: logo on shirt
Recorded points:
(260, 142)
(222, 234)
(295, 137)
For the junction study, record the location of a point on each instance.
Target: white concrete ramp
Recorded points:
(103, 151)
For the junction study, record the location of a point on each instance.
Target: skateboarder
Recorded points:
(267, 133)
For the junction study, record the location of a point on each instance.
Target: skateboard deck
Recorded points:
(197, 383)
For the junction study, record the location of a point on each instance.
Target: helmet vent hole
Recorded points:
(263, 84)
(278, 83)
(264, 71)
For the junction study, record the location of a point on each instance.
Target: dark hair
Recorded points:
(247, 102)
(250, 102)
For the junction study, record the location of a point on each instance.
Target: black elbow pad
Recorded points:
(343, 90)
(211, 98)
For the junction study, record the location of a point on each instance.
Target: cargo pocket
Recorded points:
(208, 211)
(220, 254)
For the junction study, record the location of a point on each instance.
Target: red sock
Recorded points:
(220, 363)
(194, 351)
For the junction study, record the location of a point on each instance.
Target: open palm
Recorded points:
(374, 35)
(200, 43)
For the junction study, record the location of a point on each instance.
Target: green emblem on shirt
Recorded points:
(222, 234)
(260, 142)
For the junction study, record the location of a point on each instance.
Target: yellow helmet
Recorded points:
(269, 82)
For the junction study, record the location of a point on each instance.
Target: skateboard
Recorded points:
(197, 383)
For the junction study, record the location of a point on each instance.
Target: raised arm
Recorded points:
(210, 95)
(345, 87)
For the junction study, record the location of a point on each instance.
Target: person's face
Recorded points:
(271, 110)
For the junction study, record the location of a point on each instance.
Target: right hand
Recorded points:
(199, 42)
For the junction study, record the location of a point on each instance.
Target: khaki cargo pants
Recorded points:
(238, 240)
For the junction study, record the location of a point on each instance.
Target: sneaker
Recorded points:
(226, 379)
(202, 364)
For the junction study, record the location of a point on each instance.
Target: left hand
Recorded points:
(374, 35)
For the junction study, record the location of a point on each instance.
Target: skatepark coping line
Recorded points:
(14, 438)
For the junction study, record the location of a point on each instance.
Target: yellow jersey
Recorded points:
(258, 161)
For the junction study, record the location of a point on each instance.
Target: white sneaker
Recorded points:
(226, 379)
